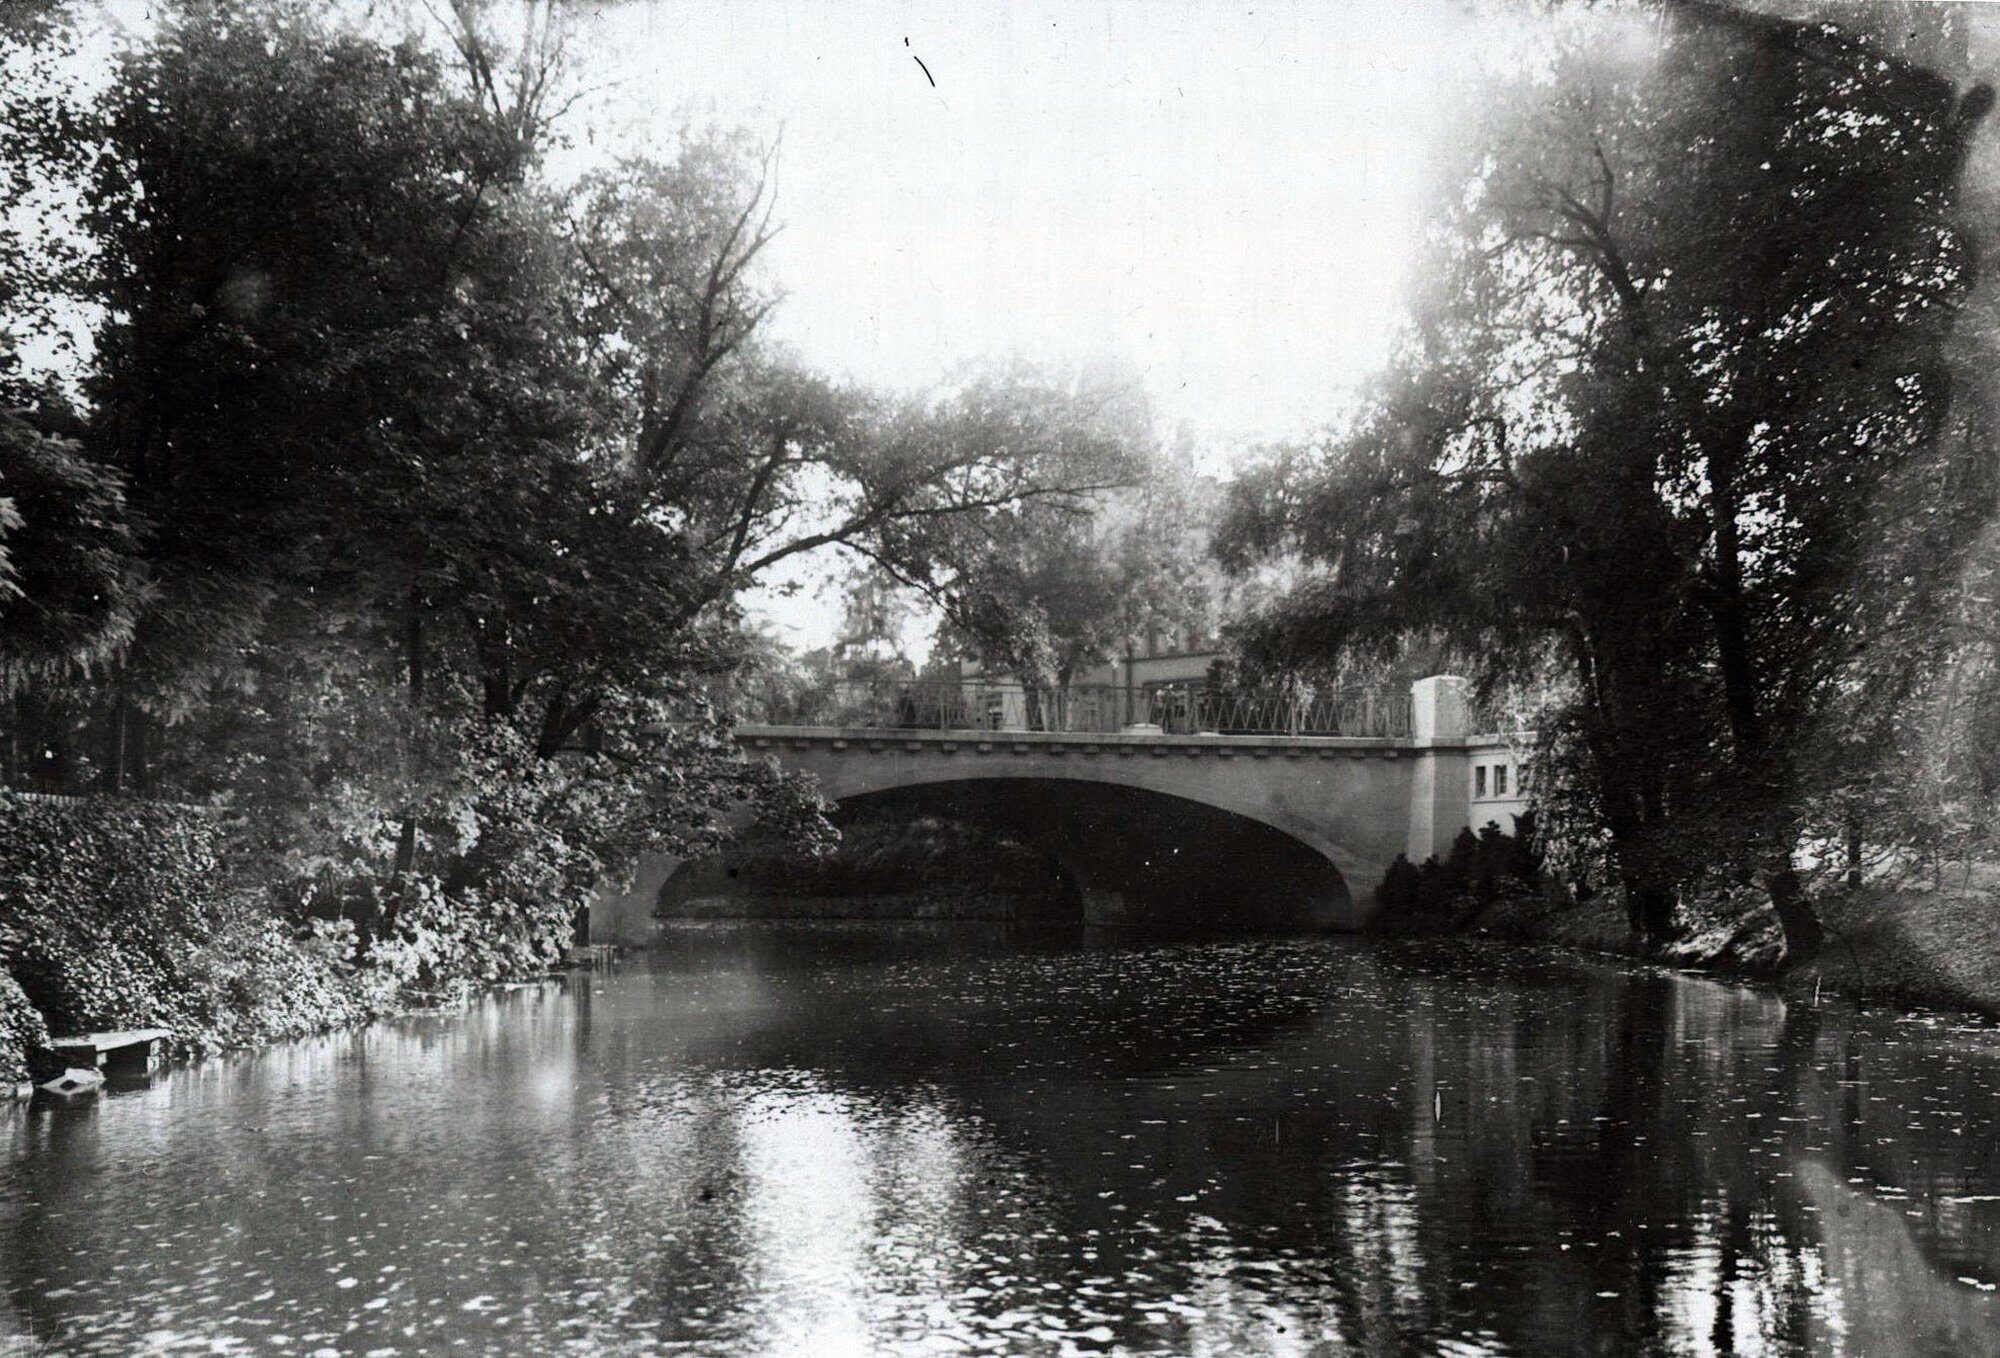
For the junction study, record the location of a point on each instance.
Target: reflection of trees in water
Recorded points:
(1892, 1297)
(650, 1209)
(1356, 1148)
(1349, 1162)
(57, 1140)
(1713, 1184)
(1663, 1183)
(781, 1215)
(1456, 1131)
(241, 1191)
(1910, 1108)
(1901, 1177)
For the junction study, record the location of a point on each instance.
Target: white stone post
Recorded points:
(1438, 710)
(1440, 800)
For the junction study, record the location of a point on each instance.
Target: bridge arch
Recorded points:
(853, 783)
(1355, 802)
(1131, 855)
(1345, 801)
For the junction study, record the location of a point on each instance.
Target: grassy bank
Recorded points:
(1938, 946)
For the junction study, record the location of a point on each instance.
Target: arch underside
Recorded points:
(1134, 854)
(842, 776)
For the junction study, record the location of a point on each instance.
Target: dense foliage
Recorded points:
(1687, 434)
(65, 599)
(1480, 868)
(399, 511)
(115, 915)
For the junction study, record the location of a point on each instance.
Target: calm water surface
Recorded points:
(824, 1141)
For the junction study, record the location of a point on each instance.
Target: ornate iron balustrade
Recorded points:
(1101, 709)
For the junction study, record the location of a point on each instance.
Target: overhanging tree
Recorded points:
(1692, 324)
(445, 479)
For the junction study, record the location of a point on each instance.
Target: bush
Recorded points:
(120, 915)
(21, 1031)
(1398, 893)
(1480, 868)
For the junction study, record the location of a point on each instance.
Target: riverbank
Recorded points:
(1932, 947)
(25, 1039)
(118, 915)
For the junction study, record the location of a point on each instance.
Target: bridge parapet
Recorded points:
(1117, 744)
(976, 703)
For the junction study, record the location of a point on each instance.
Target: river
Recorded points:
(826, 1140)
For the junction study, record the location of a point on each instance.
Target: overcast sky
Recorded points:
(1220, 197)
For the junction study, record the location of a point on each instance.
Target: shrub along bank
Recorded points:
(1440, 895)
(1930, 943)
(120, 914)
(21, 1031)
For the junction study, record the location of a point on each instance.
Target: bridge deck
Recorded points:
(1120, 742)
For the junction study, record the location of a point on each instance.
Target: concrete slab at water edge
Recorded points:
(124, 1048)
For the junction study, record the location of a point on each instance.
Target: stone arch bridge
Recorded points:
(1332, 810)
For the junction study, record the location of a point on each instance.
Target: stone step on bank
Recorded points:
(79, 1064)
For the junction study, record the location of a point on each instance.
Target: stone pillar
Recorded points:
(1440, 798)
(1438, 709)
(626, 917)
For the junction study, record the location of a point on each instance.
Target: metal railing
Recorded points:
(975, 705)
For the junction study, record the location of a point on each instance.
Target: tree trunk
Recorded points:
(1649, 889)
(406, 844)
(1804, 934)
(1649, 912)
(115, 737)
(1760, 766)
(139, 740)
(413, 645)
(1628, 790)
(496, 672)
(563, 720)
(1065, 713)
